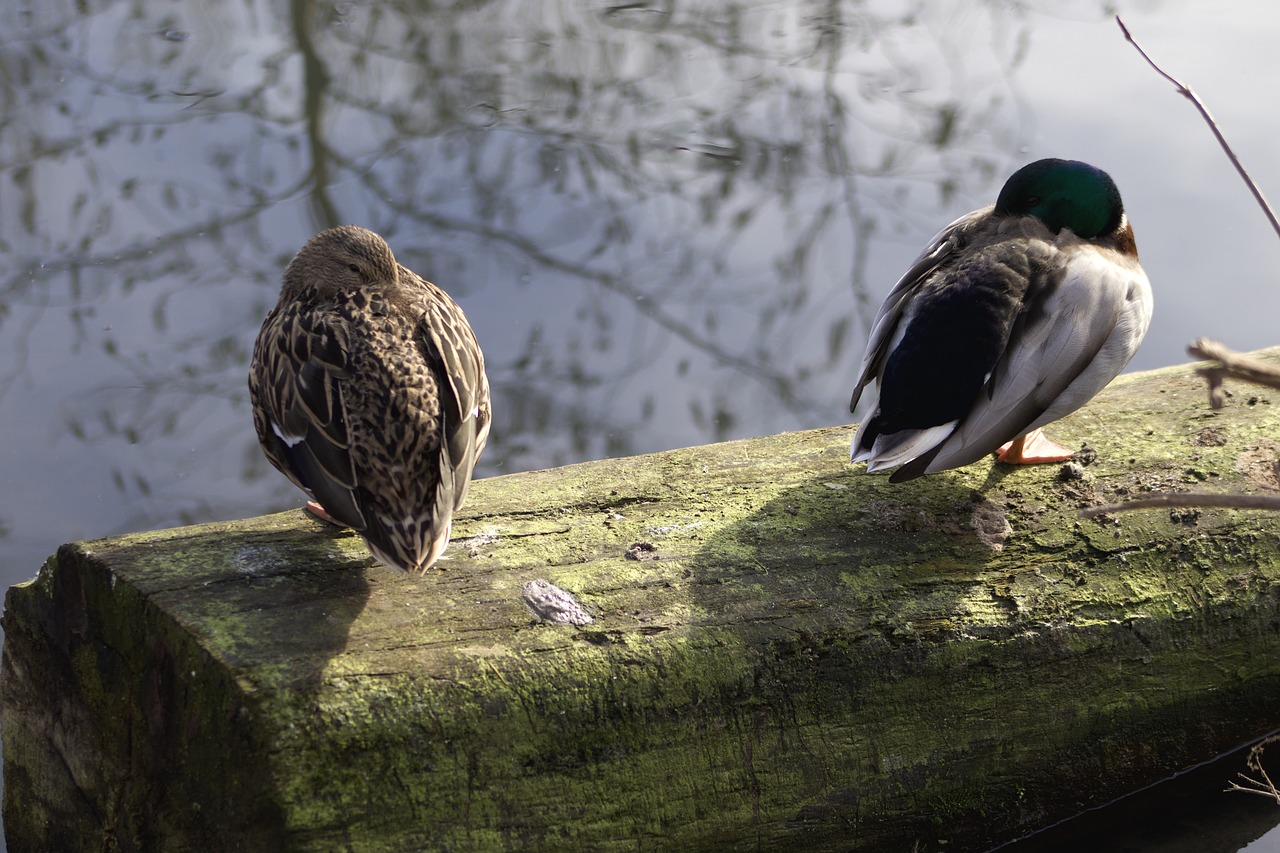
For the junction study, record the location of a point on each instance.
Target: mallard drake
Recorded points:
(1014, 316)
(369, 393)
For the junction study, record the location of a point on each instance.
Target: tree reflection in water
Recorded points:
(661, 219)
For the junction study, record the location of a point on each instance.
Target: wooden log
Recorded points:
(784, 652)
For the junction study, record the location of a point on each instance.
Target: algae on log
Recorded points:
(801, 657)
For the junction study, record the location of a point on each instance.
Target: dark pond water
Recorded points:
(669, 223)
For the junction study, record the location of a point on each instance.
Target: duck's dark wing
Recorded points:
(1084, 314)
(937, 338)
(943, 248)
(296, 388)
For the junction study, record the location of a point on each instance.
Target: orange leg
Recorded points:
(1033, 449)
(318, 511)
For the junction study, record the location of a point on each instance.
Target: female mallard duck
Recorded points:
(1014, 316)
(369, 393)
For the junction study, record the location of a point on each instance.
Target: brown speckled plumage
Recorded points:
(369, 393)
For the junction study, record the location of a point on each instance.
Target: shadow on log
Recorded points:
(784, 653)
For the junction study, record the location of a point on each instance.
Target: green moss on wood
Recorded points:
(805, 658)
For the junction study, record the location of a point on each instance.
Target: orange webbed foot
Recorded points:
(1033, 449)
(318, 511)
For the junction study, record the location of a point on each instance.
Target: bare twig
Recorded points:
(1230, 365)
(1188, 499)
(1263, 787)
(1253, 786)
(1185, 91)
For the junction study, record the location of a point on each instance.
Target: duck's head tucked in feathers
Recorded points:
(342, 259)
(369, 393)
(1064, 194)
(1012, 317)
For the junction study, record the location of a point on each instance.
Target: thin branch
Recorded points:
(1185, 91)
(1188, 499)
(1256, 787)
(1231, 365)
(1264, 787)
(1266, 779)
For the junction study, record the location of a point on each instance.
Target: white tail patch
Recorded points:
(899, 448)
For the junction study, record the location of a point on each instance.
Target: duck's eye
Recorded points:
(355, 268)
(1034, 200)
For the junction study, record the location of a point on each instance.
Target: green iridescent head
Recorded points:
(1063, 194)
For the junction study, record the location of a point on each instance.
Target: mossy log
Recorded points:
(784, 653)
